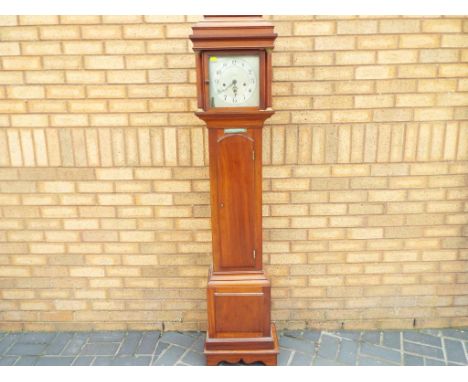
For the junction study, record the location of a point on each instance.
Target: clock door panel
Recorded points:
(236, 201)
(239, 314)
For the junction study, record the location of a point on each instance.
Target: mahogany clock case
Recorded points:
(238, 293)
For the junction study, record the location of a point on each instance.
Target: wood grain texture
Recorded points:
(239, 321)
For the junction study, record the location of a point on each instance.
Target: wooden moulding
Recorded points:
(232, 33)
(248, 355)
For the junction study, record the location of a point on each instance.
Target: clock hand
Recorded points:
(227, 87)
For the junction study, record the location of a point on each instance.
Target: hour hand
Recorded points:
(227, 87)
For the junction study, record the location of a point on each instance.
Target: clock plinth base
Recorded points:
(240, 349)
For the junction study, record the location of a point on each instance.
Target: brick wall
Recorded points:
(104, 191)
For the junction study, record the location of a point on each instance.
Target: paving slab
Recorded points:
(130, 344)
(348, 352)
(8, 360)
(170, 356)
(142, 360)
(103, 348)
(454, 350)
(148, 343)
(177, 338)
(36, 338)
(194, 358)
(297, 344)
(284, 356)
(389, 355)
(328, 347)
(55, 361)
(106, 337)
(392, 340)
(431, 347)
(412, 360)
(27, 360)
(301, 359)
(26, 349)
(369, 361)
(58, 343)
(423, 338)
(423, 350)
(371, 337)
(83, 361)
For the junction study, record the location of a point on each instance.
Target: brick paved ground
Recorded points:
(424, 347)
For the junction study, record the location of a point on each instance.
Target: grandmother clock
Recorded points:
(233, 65)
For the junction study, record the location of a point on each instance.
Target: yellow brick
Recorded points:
(101, 32)
(62, 62)
(144, 61)
(127, 106)
(355, 58)
(438, 55)
(453, 70)
(442, 25)
(31, 120)
(408, 100)
(104, 62)
(106, 91)
(75, 19)
(334, 43)
(377, 42)
(82, 47)
(178, 30)
(140, 31)
(167, 75)
(12, 106)
(311, 117)
(110, 120)
(375, 72)
(65, 92)
(308, 58)
(18, 33)
(433, 114)
(62, 32)
(43, 77)
(8, 20)
(437, 85)
(293, 74)
(401, 56)
(332, 73)
(373, 101)
(417, 71)
(356, 27)
(333, 102)
(167, 46)
(38, 48)
(9, 48)
(124, 47)
(311, 28)
(454, 41)
(87, 106)
(21, 63)
(294, 44)
(309, 88)
(399, 26)
(126, 76)
(351, 116)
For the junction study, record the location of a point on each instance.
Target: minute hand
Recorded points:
(226, 88)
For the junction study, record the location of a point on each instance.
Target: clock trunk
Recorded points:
(238, 293)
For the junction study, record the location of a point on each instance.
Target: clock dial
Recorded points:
(234, 81)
